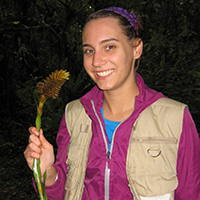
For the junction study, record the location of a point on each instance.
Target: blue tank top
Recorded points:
(110, 128)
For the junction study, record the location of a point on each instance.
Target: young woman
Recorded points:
(121, 140)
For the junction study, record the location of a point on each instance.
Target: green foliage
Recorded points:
(39, 37)
(171, 58)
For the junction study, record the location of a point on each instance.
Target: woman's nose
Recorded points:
(98, 59)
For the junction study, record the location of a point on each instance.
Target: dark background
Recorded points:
(38, 37)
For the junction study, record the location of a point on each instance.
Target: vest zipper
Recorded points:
(154, 140)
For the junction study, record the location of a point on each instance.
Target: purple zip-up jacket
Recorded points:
(188, 161)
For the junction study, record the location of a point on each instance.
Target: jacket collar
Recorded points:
(145, 98)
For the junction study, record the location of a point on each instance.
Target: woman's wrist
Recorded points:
(51, 176)
(56, 177)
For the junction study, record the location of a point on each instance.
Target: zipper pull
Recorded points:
(108, 154)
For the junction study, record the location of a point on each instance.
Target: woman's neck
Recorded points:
(118, 105)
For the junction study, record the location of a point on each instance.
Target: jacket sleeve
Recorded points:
(57, 190)
(188, 161)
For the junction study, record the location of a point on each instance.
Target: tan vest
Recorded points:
(152, 152)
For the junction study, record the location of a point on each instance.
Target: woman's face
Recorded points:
(108, 55)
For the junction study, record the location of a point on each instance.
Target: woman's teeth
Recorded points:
(104, 73)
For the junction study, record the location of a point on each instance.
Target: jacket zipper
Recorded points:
(107, 170)
(107, 181)
(112, 142)
(108, 154)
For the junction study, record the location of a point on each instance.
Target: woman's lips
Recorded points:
(105, 73)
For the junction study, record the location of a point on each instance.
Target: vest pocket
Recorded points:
(77, 149)
(155, 140)
(152, 165)
(154, 149)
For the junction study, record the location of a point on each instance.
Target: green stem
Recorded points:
(37, 176)
(36, 162)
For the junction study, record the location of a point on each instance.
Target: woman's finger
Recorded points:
(34, 131)
(34, 139)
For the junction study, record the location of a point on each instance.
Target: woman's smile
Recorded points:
(105, 73)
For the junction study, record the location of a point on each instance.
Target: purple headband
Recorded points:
(132, 18)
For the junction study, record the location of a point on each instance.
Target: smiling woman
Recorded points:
(121, 140)
(109, 56)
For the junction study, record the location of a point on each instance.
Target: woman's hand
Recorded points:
(39, 147)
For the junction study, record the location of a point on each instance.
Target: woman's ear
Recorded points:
(137, 47)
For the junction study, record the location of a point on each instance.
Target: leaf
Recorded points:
(16, 22)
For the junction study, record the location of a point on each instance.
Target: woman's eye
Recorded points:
(110, 47)
(88, 51)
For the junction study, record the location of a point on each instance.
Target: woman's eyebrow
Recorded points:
(109, 40)
(103, 41)
(86, 45)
